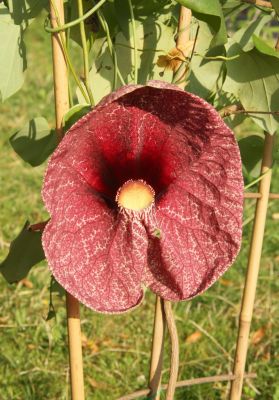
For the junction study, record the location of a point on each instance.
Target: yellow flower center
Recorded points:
(135, 195)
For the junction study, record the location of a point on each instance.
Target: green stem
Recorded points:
(66, 55)
(222, 58)
(71, 101)
(85, 54)
(76, 21)
(134, 41)
(110, 47)
(257, 180)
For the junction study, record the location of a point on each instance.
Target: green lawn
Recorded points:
(33, 357)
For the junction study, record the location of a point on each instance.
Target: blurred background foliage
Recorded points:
(233, 63)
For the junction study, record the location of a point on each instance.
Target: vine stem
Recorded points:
(85, 54)
(174, 350)
(62, 44)
(61, 27)
(112, 51)
(135, 51)
(61, 107)
(257, 179)
(156, 363)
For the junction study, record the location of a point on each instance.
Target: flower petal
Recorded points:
(200, 218)
(129, 138)
(95, 254)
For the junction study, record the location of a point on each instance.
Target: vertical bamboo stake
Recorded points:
(157, 349)
(75, 349)
(252, 271)
(183, 36)
(60, 74)
(174, 350)
(183, 33)
(61, 107)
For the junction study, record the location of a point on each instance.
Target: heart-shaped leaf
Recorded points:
(151, 37)
(74, 114)
(13, 56)
(251, 150)
(25, 251)
(34, 142)
(253, 77)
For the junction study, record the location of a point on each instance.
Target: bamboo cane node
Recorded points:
(245, 318)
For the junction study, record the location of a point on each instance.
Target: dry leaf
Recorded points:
(4, 320)
(226, 282)
(95, 384)
(89, 344)
(172, 60)
(194, 337)
(258, 335)
(266, 356)
(25, 282)
(275, 216)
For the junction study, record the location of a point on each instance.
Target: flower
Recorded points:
(145, 190)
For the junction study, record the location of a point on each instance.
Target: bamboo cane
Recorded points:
(61, 107)
(189, 382)
(157, 350)
(60, 74)
(272, 196)
(174, 366)
(252, 271)
(183, 36)
(75, 349)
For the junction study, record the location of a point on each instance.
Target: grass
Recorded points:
(34, 357)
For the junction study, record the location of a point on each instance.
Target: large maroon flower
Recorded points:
(145, 190)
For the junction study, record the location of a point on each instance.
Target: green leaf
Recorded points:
(244, 36)
(13, 56)
(90, 24)
(230, 8)
(34, 142)
(251, 150)
(209, 11)
(25, 251)
(205, 75)
(74, 114)
(55, 287)
(275, 154)
(24, 11)
(275, 4)
(253, 78)
(151, 37)
(264, 48)
(51, 312)
(142, 9)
